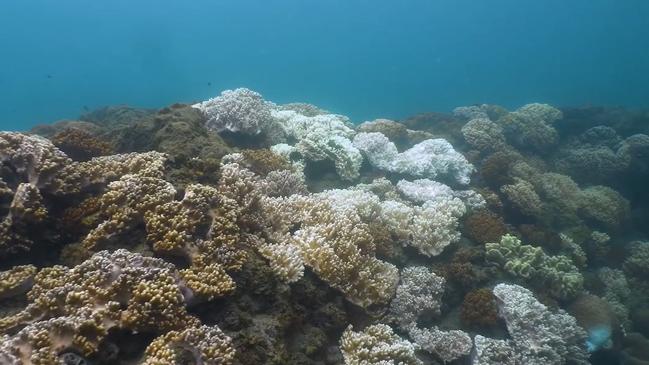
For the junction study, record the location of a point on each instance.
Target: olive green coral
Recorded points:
(16, 280)
(558, 273)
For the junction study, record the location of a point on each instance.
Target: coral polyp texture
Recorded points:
(240, 110)
(557, 274)
(240, 231)
(431, 158)
(377, 344)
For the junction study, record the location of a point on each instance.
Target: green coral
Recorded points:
(556, 273)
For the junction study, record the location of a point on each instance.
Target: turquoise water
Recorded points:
(365, 59)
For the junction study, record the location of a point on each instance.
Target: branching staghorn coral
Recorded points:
(604, 206)
(522, 195)
(637, 261)
(377, 345)
(489, 351)
(428, 159)
(558, 273)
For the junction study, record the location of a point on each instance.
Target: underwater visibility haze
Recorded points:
(324, 182)
(365, 59)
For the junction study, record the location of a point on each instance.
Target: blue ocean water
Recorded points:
(362, 58)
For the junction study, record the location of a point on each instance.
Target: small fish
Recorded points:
(85, 107)
(209, 83)
(49, 76)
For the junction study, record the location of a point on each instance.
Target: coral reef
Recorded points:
(238, 231)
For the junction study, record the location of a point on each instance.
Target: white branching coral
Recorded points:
(430, 158)
(240, 110)
(419, 291)
(377, 345)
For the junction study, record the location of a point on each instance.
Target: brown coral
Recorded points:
(17, 280)
(263, 161)
(73, 309)
(495, 169)
(479, 308)
(483, 226)
(81, 145)
(198, 345)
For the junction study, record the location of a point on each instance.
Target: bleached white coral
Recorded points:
(397, 217)
(322, 137)
(285, 261)
(430, 158)
(541, 337)
(447, 345)
(423, 190)
(240, 110)
(300, 126)
(489, 351)
(365, 204)
(377, 345)
(434, 225)
(429, 227)
(419, 291)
